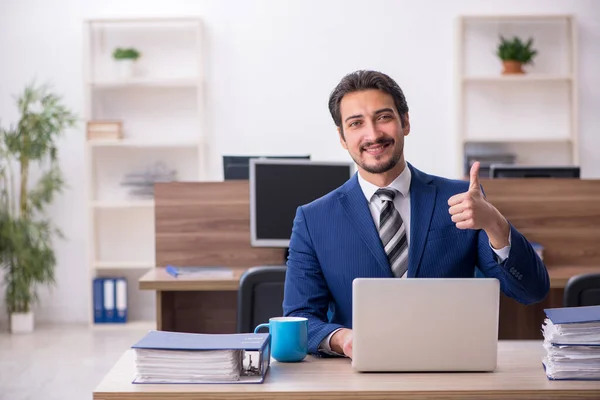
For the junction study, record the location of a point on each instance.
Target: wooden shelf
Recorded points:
(516, 17)
(517, 78)
(492, 139)
(496, 113)
(161, 106)
(123, 265)
(146, 83)
(124, 204)
(119, 21)
(141, 144)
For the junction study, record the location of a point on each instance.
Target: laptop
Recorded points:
(425, 324)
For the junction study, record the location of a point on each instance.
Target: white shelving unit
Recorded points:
(534, 115)
(162, 110)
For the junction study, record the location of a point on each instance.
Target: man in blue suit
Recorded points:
(392, 220)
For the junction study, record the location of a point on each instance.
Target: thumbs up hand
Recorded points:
(471, 210)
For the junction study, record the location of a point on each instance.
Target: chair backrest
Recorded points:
(582, 290)
(260, 296)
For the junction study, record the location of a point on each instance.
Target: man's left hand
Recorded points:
(471, 210)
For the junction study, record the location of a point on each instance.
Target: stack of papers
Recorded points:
(572, 343)
(160, 366)
(173, 357)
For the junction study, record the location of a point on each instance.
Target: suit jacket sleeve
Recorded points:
(523, 276)
(306, 292)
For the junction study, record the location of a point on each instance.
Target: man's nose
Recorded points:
(371, 131)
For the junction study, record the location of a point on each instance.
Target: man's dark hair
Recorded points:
(365, 80)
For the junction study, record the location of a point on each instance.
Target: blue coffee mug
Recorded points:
(289, 338)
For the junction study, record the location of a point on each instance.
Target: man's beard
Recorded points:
(380, 168)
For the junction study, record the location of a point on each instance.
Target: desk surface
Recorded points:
(519, 375)
(159, 279)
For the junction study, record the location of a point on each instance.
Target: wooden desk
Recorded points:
(519, 375)
(178, 299)
(159, 279)
(208, 223)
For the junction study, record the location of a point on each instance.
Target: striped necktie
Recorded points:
(393, 233)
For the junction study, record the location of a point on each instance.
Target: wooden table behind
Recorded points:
(519, 375)
(208, 224)
(564, 216)
(199, 224)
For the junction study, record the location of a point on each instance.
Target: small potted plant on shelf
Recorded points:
(514, 54)
(125, 59)
(26, 254)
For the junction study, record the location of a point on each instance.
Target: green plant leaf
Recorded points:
(516, 50)
(126, 54)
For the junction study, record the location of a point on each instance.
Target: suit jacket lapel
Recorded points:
(422, 202)
(356, 207)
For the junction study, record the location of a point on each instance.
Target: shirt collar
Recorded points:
(401, 184)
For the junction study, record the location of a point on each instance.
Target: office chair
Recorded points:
(260, 296)
(582, 290)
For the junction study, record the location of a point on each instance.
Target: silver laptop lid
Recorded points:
(425, 324)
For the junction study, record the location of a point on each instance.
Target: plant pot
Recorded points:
(125, 69)
(21, 322)
(512, 67)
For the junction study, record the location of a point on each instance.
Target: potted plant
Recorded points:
(514, 54)
(125, 61)
(26, 234)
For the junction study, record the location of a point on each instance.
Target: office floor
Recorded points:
(61, 362)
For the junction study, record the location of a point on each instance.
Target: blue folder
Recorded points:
(178, 341)
(98, 290)
(573, 315)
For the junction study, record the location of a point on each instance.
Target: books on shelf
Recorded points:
(104, 130)
(174, 357)
(572, 343)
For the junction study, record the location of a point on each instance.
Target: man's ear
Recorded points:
(342, 138)
(406, 125)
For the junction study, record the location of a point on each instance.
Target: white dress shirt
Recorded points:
(402, 203)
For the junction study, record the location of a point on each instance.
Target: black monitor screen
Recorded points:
(278, 188)
(521, 171)
(238, 167)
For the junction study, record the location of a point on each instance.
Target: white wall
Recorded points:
(270, 68)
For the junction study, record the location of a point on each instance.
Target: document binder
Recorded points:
(109, 300)
(174, 357)
(98, 292)
(573, 315)
(121, 300)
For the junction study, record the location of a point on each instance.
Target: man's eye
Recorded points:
(354, 124)
(385, 117)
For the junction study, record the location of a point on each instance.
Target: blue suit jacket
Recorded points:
(334, 240)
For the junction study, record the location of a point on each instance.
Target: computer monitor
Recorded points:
(279, 187)
(523, 171)
(238, 167)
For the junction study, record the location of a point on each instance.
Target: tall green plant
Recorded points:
(26, 234)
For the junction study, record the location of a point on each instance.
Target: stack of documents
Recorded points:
(572, 343)
(172, 357)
